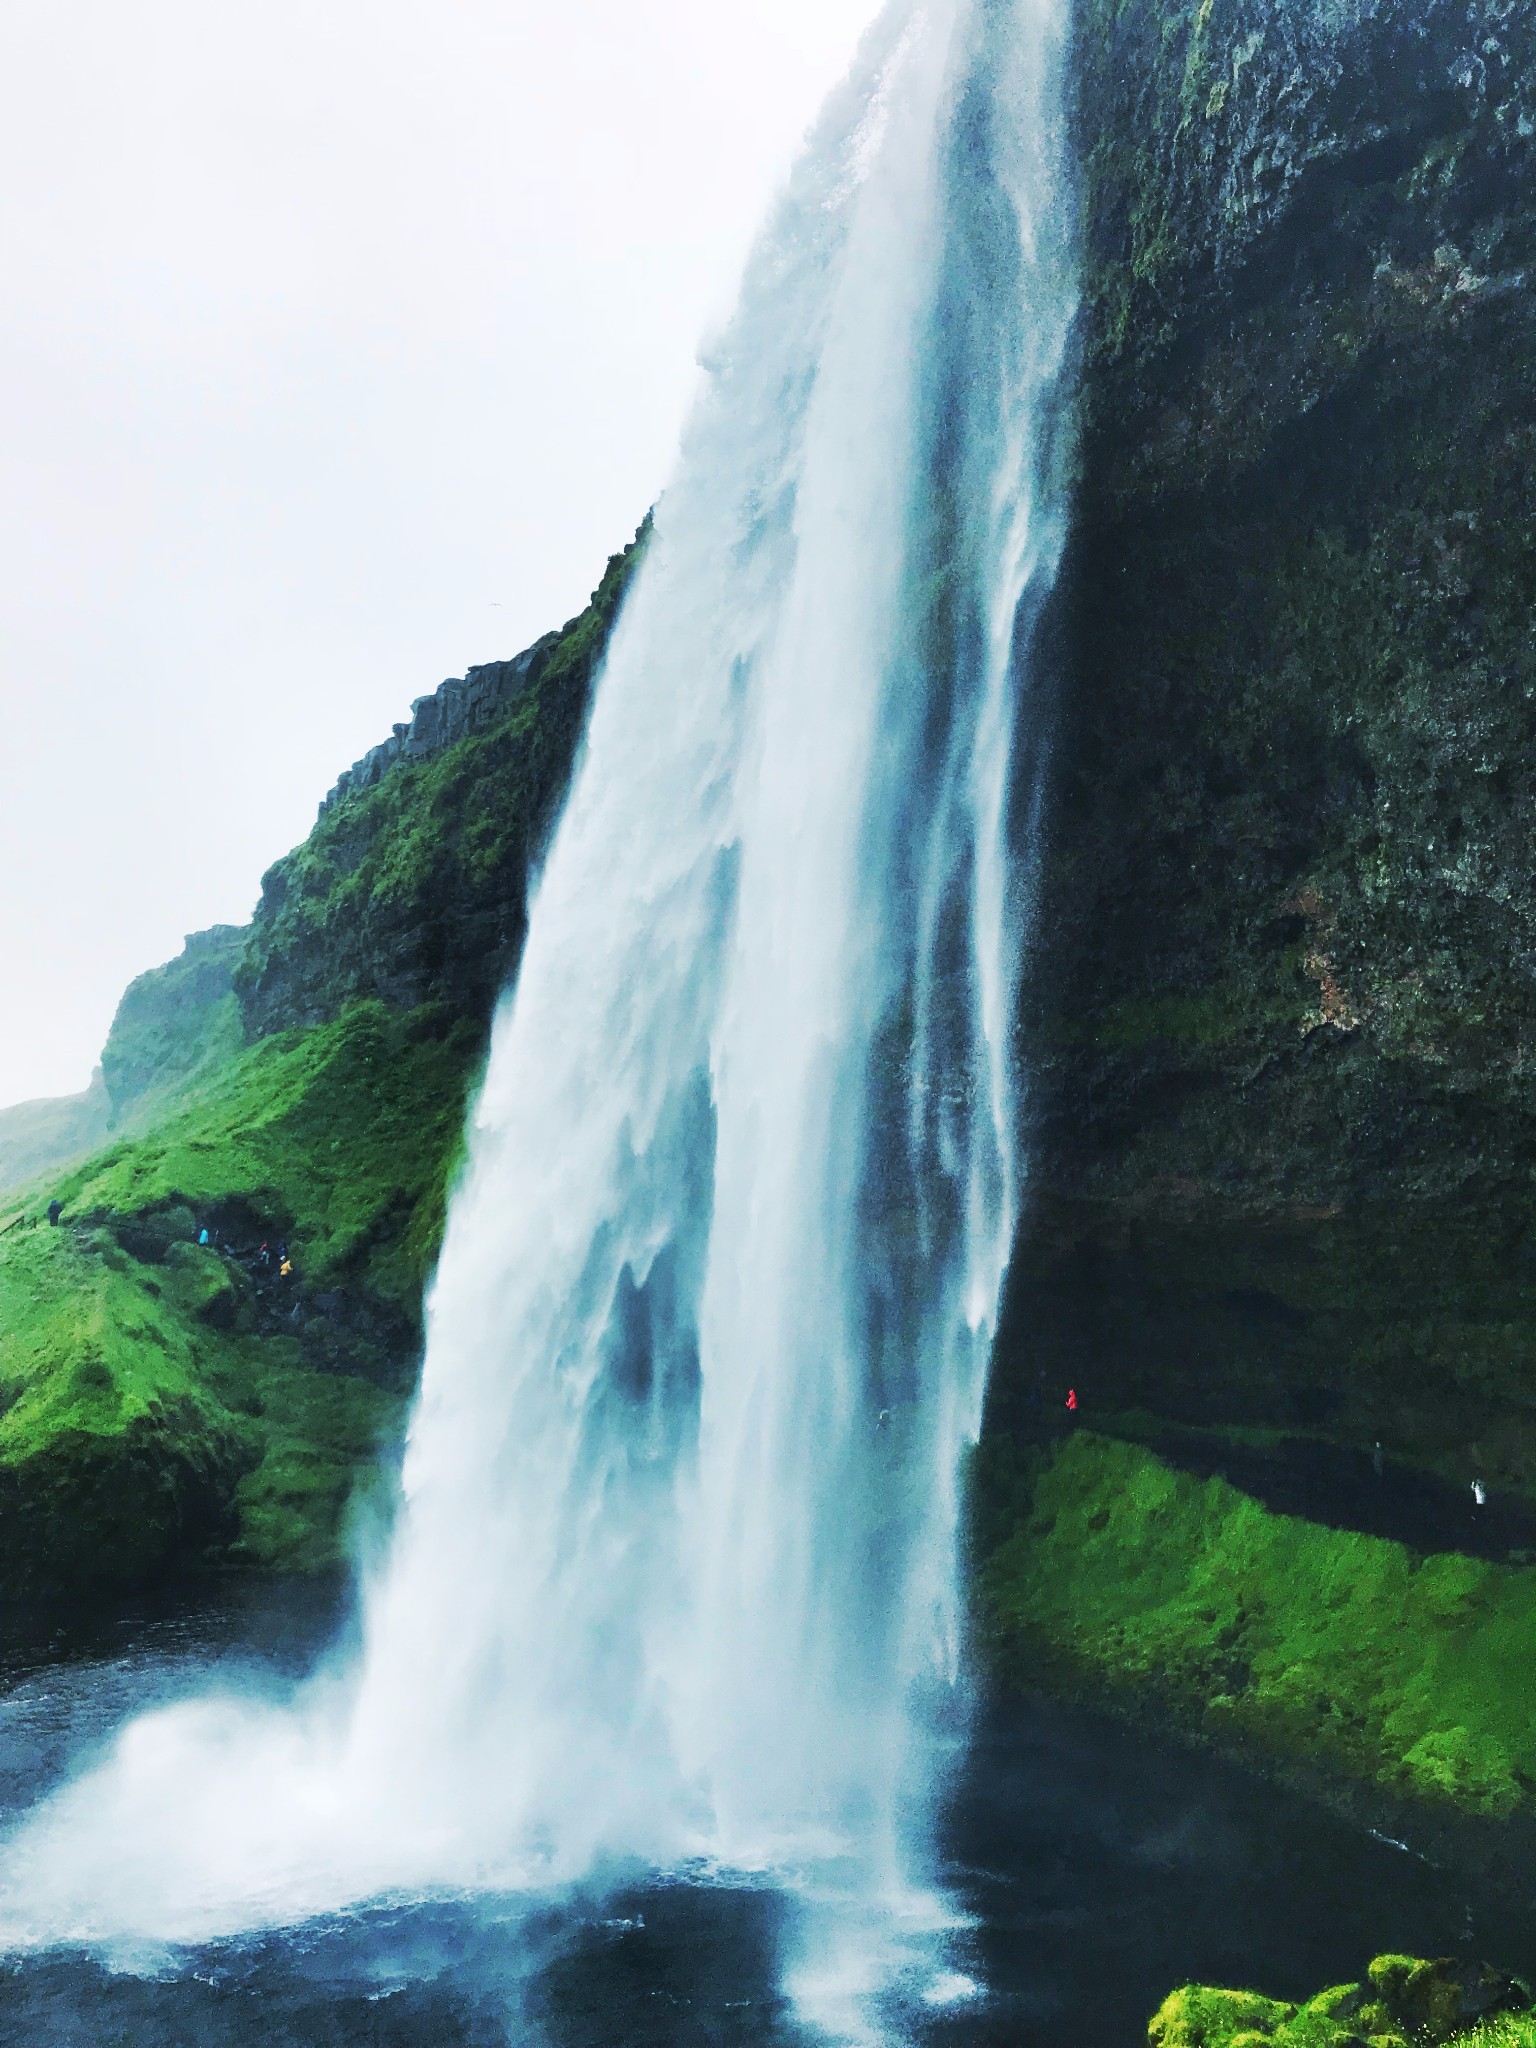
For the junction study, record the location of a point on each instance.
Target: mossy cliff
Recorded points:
(1281, 1013)
(1283, 996)
(413, 888)
(169, 1404)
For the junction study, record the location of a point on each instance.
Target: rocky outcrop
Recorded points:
(412, 887)
(457, 710)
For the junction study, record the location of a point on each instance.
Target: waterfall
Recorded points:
(674, 1573)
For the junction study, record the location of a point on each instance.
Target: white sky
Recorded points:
(326, 329)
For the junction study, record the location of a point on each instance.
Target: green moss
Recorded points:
(160, 1408)
(323, 1438)
(341, 1139)
(84, 1345)
(138, 1437)
(116, 1454)
(414, 888)
(1246, 1625)
(1403, 1999)
(1511, 2030)
(1201, 2016)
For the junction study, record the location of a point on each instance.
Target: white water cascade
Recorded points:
(674, 1577)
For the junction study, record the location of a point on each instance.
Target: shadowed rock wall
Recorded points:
(1282, 1018)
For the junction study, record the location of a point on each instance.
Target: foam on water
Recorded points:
(674, 1574)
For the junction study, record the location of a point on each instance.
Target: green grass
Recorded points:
(1402, 2000)
(85, 1344)
(155, 1410)
(132, 1425)
(341, 1139)
(1314, 1643)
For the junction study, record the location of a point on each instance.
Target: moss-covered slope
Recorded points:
(415, 889)
(169, 1404)
(1269, 1634)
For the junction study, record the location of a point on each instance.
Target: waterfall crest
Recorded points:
(674, 1576)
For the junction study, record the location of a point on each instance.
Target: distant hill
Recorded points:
(37, 1137)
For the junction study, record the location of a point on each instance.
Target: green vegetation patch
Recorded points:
(165, 1405)
(139, 1437)
(414, 888)
(1402, 1999)
(115, 1451)
(1313, 1643)
(340, 1140)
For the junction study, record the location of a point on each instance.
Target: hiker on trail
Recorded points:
(1072, 1399)
(285, 1270)
(266, 1259)
(55, 1211)
(202, 1235)
(1479, 1494)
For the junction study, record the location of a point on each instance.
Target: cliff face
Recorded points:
(1281, 1015)
(413, 885)
(173, 1018)
(1283, 1007)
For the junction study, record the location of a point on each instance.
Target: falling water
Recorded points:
(675, 1572)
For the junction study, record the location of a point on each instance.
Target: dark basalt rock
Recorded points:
(412, 888)
(457, 710)
(1283, 993)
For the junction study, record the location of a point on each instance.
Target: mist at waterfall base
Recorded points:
(673, 1581)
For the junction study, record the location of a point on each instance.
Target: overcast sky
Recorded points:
(339, 346)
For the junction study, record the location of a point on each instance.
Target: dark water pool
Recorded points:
(1101, 1868)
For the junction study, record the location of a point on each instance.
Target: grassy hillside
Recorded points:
(168, 1406)
(36, 1137)
(1107, 1569)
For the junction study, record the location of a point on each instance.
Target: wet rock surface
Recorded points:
(1281, 1002)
